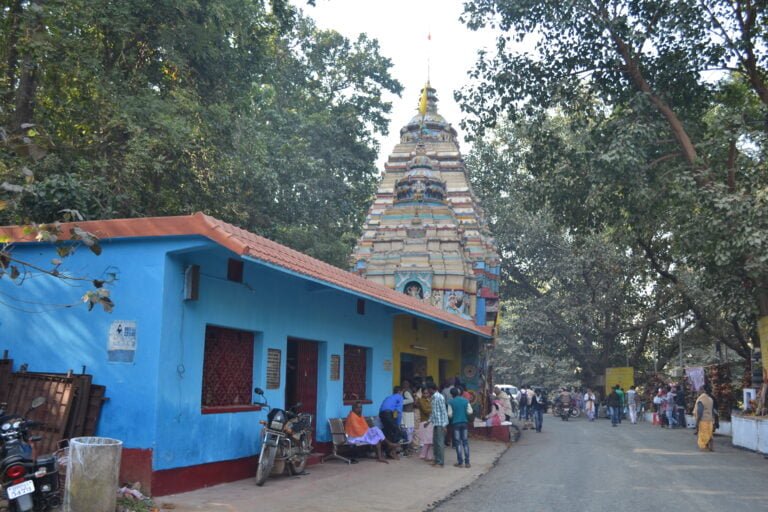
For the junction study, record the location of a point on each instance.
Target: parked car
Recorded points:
(510, 390)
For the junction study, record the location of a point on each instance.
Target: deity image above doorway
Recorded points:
(414, 289)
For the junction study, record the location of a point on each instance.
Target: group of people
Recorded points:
(618, 401)
(419, 415)
(668, 402)
(532, 404)
(669, 405)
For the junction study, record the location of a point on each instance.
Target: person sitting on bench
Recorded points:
(359, 433)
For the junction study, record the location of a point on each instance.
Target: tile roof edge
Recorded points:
(225, 234)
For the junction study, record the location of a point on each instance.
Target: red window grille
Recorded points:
(355, 372)
(227, 367)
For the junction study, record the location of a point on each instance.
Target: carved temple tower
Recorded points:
(425, 233)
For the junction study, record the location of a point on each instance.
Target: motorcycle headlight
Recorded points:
(276, 419)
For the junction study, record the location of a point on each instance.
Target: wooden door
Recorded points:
(302, 375)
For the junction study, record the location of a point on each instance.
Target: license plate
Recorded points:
(21, 489)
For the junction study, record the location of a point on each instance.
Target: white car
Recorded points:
(510, 390)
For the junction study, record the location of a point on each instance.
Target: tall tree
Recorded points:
(648, 62)
(244, 110)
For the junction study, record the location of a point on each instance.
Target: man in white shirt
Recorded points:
(632, 404)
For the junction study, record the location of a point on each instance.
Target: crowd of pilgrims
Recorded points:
(422, 417)
(669, 407)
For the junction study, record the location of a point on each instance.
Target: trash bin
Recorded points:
(92, 474)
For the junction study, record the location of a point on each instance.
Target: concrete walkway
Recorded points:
(407, 484)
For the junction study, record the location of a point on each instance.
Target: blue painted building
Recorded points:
(204, 312)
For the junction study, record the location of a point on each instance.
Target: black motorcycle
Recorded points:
(286, 441)
(28, 484)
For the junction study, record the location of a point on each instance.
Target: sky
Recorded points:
(402, 28)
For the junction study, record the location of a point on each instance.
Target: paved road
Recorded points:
(583, 466)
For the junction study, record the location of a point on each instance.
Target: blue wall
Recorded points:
(155, 402)
(35, 330)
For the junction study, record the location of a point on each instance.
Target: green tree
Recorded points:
(696, 148)
(244, 110)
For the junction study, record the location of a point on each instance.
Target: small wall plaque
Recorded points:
(387, 365)
(335, 367)
(273, 368)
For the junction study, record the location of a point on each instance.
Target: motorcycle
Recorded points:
(28, 484)
(286, 441)
(565, 411)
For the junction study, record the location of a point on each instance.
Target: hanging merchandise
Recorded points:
(696, 377)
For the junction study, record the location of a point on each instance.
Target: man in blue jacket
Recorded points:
(390, 412)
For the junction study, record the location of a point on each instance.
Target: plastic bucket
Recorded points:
(92, 474)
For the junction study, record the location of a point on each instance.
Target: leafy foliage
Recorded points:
(617, 132)
(244, 110)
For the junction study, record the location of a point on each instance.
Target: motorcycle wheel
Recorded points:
(575, 412)
(266, 460)
(304, 449)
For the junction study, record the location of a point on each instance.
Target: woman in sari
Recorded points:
(359, 433)
(423, 409)
(704, 413)
(589, 407)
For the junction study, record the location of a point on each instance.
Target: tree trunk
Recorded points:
(12, 62)
(25, 93)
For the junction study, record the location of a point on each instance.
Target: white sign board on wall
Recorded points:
(121, 345)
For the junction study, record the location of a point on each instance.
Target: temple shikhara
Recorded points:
(425, 235)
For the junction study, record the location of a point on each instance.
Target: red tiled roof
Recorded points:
(247, 244)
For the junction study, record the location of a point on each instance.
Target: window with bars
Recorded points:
(227, 370)
(355, 373)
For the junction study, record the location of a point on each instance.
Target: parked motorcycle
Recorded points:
(286, 441)
(28, 484)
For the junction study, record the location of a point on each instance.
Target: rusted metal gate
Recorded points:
(6, 371)
(95, 401)
(72, 404)
(54, 414)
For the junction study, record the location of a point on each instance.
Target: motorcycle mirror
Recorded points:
(37, 402)
(298, 404)
(258, 391)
